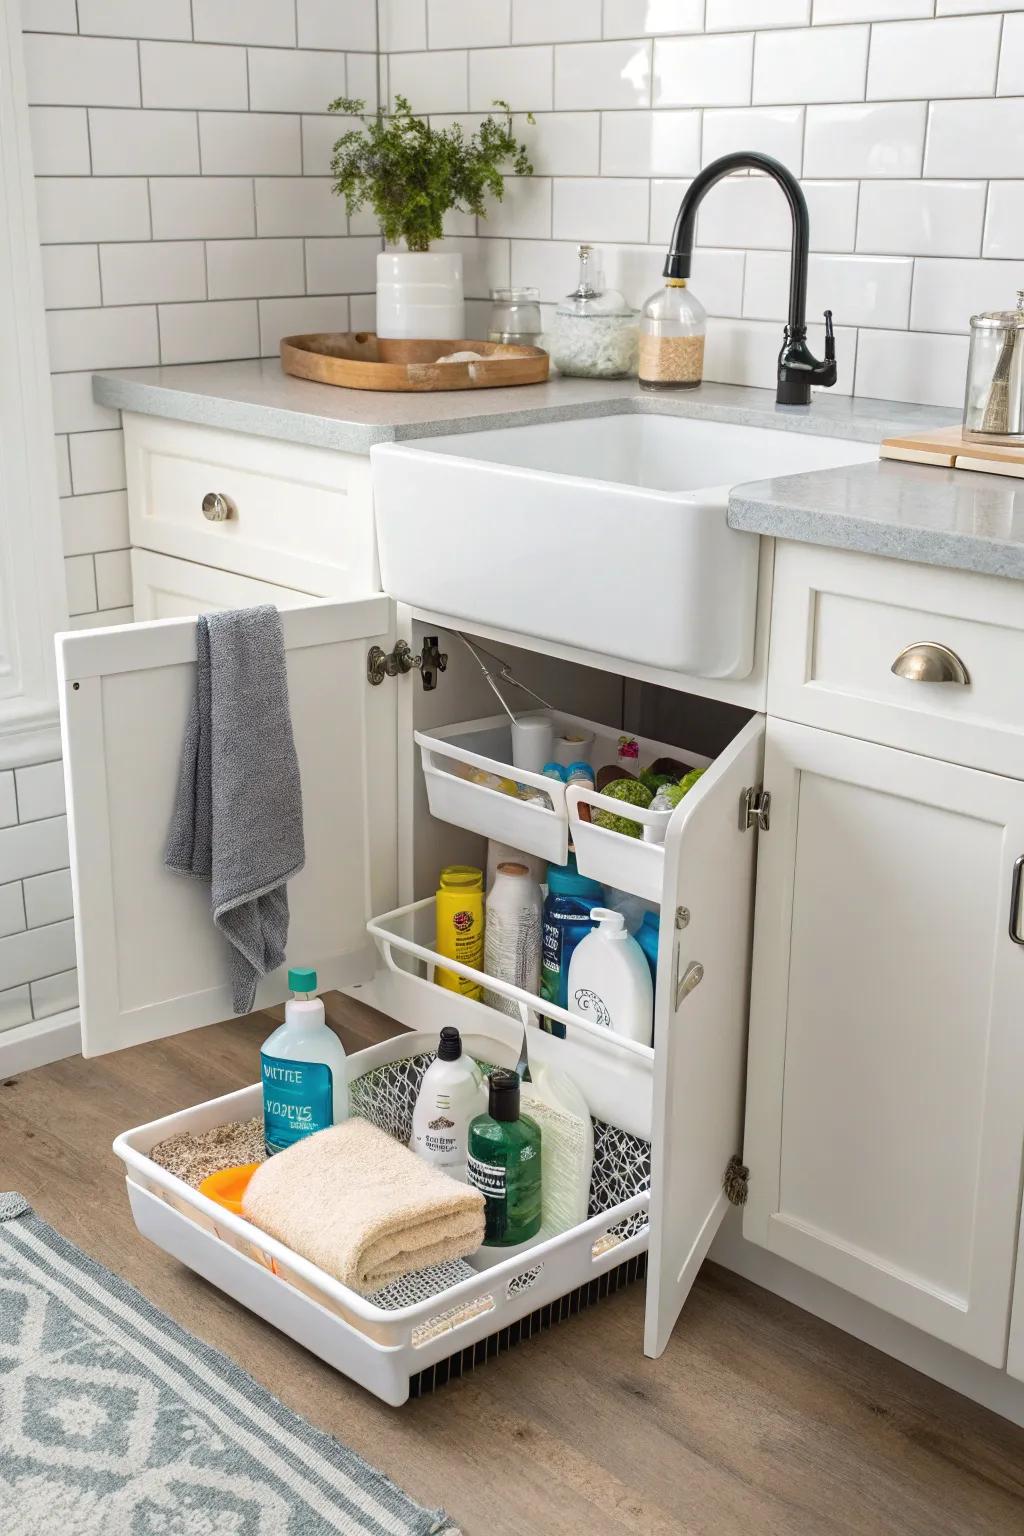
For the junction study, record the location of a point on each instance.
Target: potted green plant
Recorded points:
(411, 174)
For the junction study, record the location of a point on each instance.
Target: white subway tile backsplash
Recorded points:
(37, 951)
(54, 994)
(747, 352)
(589, 76)
(810, 65)
(948, 293)
(97, 462)
(347, 264)
(202, 207)
(8, 800)
(666, 195)
(453, 24)
(80, 208)
(552, 21)
(827, 12)
(102, 338)
(742, 204)
(33, 848)
(962, 7)
(81, 71)
(921, 59)
(600, 208)
(93, 523)
(113, 572)
(80, 577)
(745, 15)
(525, 211)
(294, 79)
(777, 131)
(927, 218)
(74, 409)
(254, 269)
(549, 266)
(15, 1007)
(296, 205)
(294, 317)
(337, 24)
(49, 16)
(200, 333)
(562, 143)
(403, 25)
(143, 143)
(362, 311)
(1004, 221)
(71, 276)
(1011, 57)
(662, 143)
(432, 82)
(703, 71)
(485, 263)
(108, 616)
(520, 76)
(193, 75)
(871, 139)
(250, 144)
(12, 908)
(153, 272)
(975, 138)
(40, 791)
(645, 18)
(60, 141)
(904, 365)
(363, 75)
(859, 290)
(319, 136)
(717, 280)
(257, 21)
(47, 898)
(60, 445)
(136, 18)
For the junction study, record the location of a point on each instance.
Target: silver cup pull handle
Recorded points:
(1015, 889)
(217, 508)
(929, 662)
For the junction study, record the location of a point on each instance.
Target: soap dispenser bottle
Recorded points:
(610, 980)
(673, 325)
(303, 1069)
(594, 332)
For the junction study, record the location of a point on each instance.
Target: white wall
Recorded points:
(904, 118)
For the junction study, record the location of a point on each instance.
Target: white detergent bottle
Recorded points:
(303, 1069)
(451, 1095)
(610, 980)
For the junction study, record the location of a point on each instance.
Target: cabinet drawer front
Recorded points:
(297, 516)
(840, 620)
(165, 588)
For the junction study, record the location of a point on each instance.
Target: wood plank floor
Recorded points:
(758, 1421)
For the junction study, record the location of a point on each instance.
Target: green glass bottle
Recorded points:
(504, 1165)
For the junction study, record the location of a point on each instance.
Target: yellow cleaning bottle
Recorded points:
(460, 925)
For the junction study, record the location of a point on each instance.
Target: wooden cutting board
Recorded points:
(947, 446)
(363, 360)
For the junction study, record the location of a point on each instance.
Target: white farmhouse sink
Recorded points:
(607, 534)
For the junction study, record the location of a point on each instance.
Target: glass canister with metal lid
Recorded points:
(515, 316)
(594, 332)
(994, 401)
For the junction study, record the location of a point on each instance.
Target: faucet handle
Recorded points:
(830, 338)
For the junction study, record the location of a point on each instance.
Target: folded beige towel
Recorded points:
(363, 1207)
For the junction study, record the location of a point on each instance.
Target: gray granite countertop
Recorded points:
(258, 398)
(949, 517)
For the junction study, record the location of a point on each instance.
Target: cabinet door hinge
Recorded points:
(755, 809)
(431, 660)
(737, 1180)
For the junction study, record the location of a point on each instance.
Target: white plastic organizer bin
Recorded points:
(394, 1339)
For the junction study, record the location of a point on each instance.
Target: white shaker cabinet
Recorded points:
(885, 1111)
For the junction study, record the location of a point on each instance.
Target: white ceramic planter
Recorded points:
(419, 295)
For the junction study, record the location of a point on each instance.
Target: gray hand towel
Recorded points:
(237, 818)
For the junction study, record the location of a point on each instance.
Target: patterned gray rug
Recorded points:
(115, 1422)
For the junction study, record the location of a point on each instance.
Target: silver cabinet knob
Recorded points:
(217, 508)
(930, 662)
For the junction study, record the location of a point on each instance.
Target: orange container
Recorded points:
(228, 1185)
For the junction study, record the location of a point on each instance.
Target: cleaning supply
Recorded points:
(567, 908)
(227, 1186)
(193, 1155)
(501, 853)
(303, 1070)
(559, 1110)
(580, 773)
(647, 937)
(237, 816)
(672, 331)
(515, 908)
(363, 1207)
(505, 1165)
(451, 1095)
(460, 926)
(610, 981)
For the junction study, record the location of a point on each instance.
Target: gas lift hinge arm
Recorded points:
(401, 659)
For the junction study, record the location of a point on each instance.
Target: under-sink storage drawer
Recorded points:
(297, 516)
(841, 621)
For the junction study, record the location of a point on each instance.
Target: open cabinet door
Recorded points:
(150, 962)
(700, 1030)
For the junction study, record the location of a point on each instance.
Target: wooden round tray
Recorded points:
(364, 360)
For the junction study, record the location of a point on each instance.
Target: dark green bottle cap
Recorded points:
(302, 980)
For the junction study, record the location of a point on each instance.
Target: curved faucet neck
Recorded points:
(680, 255)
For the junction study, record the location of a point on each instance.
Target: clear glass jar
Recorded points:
(994, 399)
(673, 324)
(594, 332)
(515, 317)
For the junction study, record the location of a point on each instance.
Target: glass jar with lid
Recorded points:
(594, 332)
(994, 399)
(515, 317)
(672, 330)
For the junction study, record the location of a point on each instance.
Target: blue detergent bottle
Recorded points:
(569, 902)
(647, 937)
